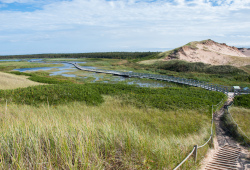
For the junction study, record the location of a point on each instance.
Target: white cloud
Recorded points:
(129, 23)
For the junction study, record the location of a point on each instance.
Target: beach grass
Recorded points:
(242, 118)
(113, 135)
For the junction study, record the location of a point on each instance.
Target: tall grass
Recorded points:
(242, 118)
(113, 135)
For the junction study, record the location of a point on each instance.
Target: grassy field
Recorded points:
(8, 66)
(242, 118)
(112, 136)
(102, 126)
(10, 81)
(66, 125)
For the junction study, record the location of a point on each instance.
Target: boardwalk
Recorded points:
(190, 82)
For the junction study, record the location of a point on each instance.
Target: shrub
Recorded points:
(242, 100)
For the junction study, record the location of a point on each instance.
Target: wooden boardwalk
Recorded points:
(191, 82)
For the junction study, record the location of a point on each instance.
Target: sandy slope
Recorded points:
(245, 51)
(210, 52)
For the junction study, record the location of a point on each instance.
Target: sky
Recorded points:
(78, 26)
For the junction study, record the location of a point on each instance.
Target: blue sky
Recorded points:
(75, 26)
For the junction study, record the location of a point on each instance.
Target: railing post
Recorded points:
(195, 153)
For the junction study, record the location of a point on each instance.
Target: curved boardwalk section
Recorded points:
(191, 82)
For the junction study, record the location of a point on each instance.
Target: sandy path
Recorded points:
(223, 137)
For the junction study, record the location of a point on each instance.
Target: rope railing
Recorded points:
(196, 147)
(185, 158)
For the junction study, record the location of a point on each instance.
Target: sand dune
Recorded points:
(210, 52)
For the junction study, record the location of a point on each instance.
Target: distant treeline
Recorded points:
(110, 55)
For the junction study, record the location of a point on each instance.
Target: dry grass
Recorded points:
(238, 61)
(150, 62)
(10, 81)
(110, 136)
(246, 68)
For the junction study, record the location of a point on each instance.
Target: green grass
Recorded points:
(242, 100)
(113, 135)
(8, 66)
(43, 77)
(223, 75)
(241, 116)
(163, 98)
(102, 126)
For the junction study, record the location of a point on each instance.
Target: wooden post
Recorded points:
(195, 153)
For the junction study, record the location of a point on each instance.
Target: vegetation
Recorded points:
(43, 77)
(240, 116)
(243, 101)
(110, 55)
(164, 98)
(10, 81)
(102, 126)
(8, 66)
(184, 66)
(110, 126)
(224, 75)
(111, 136)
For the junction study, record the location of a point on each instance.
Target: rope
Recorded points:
(212, 122)
(185, 159)
(205, 143)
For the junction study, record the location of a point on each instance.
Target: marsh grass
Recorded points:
(113, 135)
